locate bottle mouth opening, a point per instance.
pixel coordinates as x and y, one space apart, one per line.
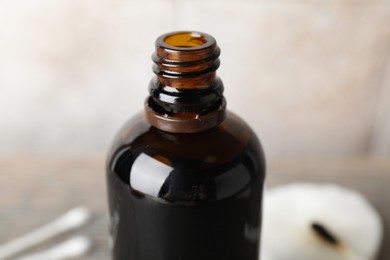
185 54
185 39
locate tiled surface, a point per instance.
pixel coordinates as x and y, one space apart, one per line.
308 76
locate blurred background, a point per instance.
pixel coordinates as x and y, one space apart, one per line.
311 77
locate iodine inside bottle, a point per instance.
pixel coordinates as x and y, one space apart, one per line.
185 176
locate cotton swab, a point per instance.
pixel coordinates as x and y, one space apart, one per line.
71 248
73 219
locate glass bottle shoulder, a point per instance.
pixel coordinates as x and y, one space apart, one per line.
209 165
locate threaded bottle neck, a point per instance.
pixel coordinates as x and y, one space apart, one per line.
185 95
186 55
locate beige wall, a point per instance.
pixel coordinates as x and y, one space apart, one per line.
311 77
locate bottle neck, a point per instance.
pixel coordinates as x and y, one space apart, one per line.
185 95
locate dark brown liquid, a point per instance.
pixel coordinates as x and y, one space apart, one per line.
184 196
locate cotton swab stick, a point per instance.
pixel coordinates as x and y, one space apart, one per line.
73 219
71 248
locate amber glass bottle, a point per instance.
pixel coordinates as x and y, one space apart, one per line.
185 177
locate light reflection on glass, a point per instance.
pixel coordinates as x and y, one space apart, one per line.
148 175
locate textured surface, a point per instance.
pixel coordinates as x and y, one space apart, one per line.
309 76
306 76
36 190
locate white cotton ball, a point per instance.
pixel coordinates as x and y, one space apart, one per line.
295 215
